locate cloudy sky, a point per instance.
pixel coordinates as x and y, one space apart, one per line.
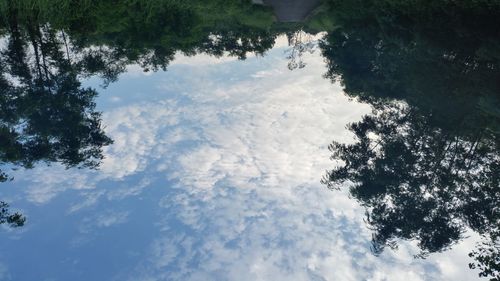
214 175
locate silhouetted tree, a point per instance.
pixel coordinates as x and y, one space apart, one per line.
45 113
487 257
425 163
12 219
418 181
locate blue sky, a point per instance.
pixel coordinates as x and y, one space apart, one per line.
214 175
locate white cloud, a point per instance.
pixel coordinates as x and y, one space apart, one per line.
112 218
201 60
106 219
45 185
91 199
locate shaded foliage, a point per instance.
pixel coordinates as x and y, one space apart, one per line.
150 33
12 219
426 162
45 115
444 58
487 258
418 181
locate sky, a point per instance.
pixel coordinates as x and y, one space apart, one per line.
214 174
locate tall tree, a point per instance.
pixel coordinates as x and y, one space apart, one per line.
425 164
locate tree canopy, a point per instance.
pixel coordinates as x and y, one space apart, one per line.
425 163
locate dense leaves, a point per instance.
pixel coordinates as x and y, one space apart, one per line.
12 219
418 181
426 162
45 113
150 33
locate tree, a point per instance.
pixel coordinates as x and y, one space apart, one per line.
12 219
425 163
418 181
45 113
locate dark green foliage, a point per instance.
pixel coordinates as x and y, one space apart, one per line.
426 162
151 32
418 181
12 219
487 258
45 113
437 56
